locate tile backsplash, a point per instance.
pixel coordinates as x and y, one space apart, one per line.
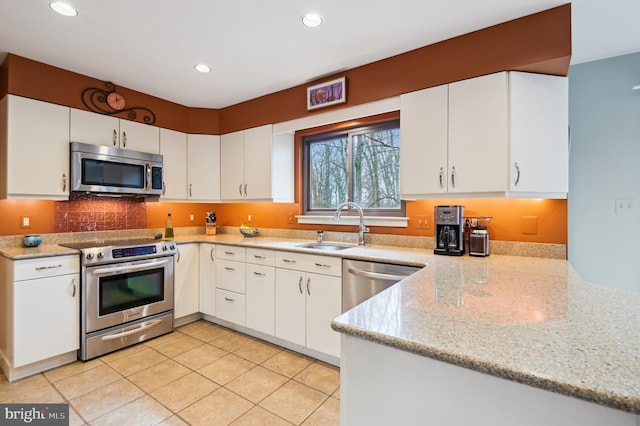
86 212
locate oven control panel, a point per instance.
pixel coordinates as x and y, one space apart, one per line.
113 254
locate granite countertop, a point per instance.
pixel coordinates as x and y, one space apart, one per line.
528 320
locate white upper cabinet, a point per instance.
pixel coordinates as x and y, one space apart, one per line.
35 145
99 129
255 165
499 135
203 167
173 147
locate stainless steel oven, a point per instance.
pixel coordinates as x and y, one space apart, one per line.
126 293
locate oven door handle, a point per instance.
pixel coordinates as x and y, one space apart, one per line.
137 330
112 269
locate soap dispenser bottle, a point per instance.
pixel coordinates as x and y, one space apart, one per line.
168 230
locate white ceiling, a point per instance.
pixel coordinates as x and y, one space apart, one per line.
257 47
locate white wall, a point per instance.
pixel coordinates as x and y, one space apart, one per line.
604 166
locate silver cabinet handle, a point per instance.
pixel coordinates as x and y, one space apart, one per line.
177 255
259 257
230 253
124 139
229 268
229 299
64 182
260 274
74 282
164 187
300 285
322 265
245 189
308 286
288 261
211 254
517 173
240 189
115 137
441 176
453 177
190 193
42 268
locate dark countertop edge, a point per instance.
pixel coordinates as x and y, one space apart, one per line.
589 394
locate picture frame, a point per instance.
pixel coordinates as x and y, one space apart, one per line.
328 93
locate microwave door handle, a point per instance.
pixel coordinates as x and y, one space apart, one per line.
148 176
112 269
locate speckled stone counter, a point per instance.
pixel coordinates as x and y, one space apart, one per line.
528 320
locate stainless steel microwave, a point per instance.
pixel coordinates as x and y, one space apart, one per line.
105 170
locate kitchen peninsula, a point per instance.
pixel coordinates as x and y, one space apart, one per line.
437 347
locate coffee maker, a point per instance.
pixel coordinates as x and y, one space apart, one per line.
449 237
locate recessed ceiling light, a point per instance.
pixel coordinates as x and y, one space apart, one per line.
204 68
63 8
312 20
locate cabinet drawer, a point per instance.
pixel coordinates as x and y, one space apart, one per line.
230 275
230 306
52 266
231 253
326 265
261 256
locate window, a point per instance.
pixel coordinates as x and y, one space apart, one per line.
359 164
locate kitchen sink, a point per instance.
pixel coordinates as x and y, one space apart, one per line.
325 246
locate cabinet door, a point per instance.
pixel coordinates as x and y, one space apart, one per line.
203 167
139 137
257 162
539 133
186 298
46 318
96 129
324 303
423 142
232 166
37 149
208 279
173 147
290 306
260 300
478 134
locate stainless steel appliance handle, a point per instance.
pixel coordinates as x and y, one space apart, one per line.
115 137
74 282
42 268
308 286
148 185
137 330
113 269
124 139
300 285
517 173
376 275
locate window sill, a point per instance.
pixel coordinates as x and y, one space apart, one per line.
389 221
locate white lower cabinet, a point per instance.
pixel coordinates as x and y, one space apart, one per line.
230 306
186 291
261 290
307 302
208 279
40 309
230 284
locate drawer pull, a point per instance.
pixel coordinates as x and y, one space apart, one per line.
288 261
322 265
229 268
42 268
260 274
230 253
259 257
228 299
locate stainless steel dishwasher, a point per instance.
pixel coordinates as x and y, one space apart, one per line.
362 280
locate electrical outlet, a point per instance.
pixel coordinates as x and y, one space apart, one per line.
25 222
191 218
626 206
292 217
423 222
249 218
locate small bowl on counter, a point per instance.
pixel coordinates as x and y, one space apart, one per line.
32 240
248 231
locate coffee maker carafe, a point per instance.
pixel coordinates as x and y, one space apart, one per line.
449 237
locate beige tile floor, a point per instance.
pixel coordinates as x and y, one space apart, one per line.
201 374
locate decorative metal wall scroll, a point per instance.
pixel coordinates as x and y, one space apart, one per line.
109 102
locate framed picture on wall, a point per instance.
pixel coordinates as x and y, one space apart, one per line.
327 93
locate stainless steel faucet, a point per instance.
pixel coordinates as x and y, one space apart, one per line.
362 229
320 236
